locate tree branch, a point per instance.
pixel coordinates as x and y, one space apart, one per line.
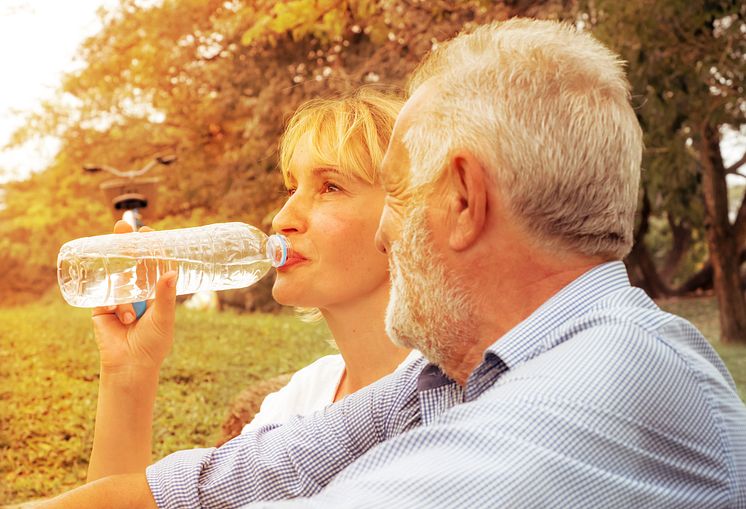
733 168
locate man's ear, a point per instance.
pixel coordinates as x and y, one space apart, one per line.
468 200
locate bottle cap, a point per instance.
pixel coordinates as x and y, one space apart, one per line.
278 248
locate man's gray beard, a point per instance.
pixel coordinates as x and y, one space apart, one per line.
426 310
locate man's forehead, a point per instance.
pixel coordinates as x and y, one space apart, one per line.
409 113
397 165
421 96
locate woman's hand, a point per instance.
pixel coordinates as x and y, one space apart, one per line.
126 343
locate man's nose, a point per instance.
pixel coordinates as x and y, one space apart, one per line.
381 237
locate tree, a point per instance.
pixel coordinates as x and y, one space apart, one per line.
687 68
213 82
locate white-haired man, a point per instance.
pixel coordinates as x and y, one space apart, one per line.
511 185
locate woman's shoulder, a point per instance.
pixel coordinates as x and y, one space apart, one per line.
323 368
309 389
318 375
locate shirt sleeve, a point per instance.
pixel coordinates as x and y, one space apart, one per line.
297 459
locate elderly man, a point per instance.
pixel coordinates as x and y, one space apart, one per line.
511 185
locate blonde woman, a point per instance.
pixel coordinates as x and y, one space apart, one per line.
329 158
330 155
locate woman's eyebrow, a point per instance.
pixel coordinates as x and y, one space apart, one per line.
325 171
317 172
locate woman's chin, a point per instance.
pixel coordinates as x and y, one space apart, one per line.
289 297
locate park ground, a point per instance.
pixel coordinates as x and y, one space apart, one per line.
49 377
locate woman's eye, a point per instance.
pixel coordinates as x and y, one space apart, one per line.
329 187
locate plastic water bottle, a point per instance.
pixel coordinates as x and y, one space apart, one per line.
121 268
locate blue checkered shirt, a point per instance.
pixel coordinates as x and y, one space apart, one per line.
598 399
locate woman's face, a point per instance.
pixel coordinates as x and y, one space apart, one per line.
331 221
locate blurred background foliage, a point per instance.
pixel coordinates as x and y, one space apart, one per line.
214 81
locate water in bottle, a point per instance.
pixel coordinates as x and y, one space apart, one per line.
121 268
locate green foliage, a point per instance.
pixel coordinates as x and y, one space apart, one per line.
736 195
324 19
49 373
686 66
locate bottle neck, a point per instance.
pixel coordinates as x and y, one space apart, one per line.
278 250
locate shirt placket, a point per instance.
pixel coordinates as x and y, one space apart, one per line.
435 402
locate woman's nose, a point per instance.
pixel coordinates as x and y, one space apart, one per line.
291 217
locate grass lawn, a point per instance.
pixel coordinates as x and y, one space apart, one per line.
49 377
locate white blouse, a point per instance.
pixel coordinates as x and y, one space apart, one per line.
310 389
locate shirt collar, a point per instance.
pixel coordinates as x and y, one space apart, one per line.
527 338
523 340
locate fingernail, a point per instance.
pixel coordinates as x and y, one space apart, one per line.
128 317
172 282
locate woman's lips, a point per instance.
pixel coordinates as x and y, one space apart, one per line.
291 261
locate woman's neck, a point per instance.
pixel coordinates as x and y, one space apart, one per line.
359 332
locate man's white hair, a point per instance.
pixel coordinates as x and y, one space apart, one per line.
546 108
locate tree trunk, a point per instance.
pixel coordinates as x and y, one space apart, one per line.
681 241
721 239
702 280
643 272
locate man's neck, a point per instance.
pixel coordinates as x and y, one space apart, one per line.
505 301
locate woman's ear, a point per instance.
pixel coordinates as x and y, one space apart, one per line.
468 200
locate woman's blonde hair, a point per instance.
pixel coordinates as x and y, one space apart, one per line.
349 133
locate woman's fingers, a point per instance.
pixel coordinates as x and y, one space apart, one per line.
122 227
104 310
165 302
125 313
